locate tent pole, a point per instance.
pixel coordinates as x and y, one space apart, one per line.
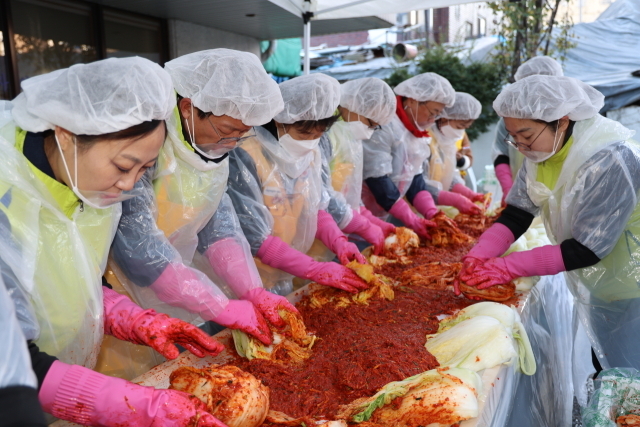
307 43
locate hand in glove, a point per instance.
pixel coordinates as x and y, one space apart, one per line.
329 234
503 173
268 304
459 202
468 193
244 316
403 212
373 234
386 227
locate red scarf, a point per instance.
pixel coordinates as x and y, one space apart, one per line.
407 121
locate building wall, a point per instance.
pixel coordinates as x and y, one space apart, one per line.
463 21
582 11
354 38
186 37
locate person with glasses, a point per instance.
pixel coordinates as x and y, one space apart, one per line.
446 132
507 159
581 174
276 186
179 248
365 105
395 155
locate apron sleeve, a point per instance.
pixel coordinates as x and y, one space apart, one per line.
518 195
377 153
500 146
337 206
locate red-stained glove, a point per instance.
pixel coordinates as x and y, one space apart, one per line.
459 202
386 227
268 304
373 234
127 321
244 316
80 395
503 173
333 238
277 254
403 212
468 193
542 261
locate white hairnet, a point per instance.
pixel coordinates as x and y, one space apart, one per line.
427 87
539 65
467 107
369 97
310 97
549 98
227 82
96 98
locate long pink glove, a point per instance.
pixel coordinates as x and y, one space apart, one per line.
459 202
542 261
423 202
386 227
373 234
129 322
492 243
277 254
503 173
77 394
329 234
403 212
468 193
181 286
268 304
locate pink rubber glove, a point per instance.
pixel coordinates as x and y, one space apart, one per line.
77 394
459 202
468 193
127 321
371 233
423 202
386 227
277 254
542 261
492 243
403 212
243 315
503 173
268 304
333 238
234 264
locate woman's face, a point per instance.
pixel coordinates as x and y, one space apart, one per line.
111 166
297 134
456 124
350 116
423 113
534 136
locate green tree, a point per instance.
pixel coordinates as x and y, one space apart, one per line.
482 80
528 27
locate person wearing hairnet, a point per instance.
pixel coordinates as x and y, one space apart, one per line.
365 105
394 156
73 145
581 174
186 224
19 405
276 186
507 159
446 132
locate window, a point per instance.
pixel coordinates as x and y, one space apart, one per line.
482 27
468 30
413 17
40 36
129 35
50 35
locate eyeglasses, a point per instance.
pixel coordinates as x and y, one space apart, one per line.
517 145
228 140
435 115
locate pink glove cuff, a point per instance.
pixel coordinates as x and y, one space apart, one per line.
233 265
493 242
277 254
464 190
386 227
71 391
448 198
503 173
423 202
543 261
357 225
328 231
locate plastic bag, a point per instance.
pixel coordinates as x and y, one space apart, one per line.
617 393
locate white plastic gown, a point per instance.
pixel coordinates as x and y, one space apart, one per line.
393 150
275 193
15 365
441 168
346 163
183 212
57 252
595 202
500 147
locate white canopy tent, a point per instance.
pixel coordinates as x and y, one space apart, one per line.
311 10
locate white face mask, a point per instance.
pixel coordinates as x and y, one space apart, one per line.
95 199
449 132
210 151
541 156
359 130
297 148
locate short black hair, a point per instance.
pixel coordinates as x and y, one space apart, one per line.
311 125
201 114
